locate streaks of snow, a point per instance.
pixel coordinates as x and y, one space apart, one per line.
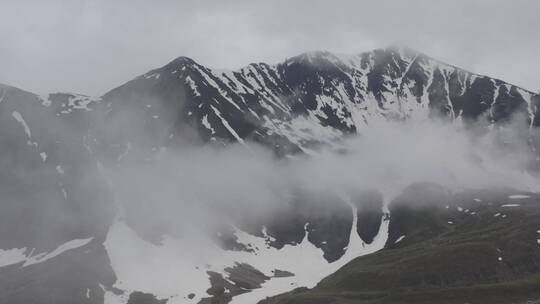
88 293
495 97
45 101
42 257
43 156
259 82
251 80
399 239
64 193
235 84
477 200
268 73
530 107
472 78
80 102
227 125
214 84
510 205
21 120
409 65
206 123
254 113
86 145
227 77
429 70
153 75
518 196
447 92
193 86
126 151
59 169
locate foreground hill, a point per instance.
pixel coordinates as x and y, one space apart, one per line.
475 246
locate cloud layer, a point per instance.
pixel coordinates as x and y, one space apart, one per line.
198 187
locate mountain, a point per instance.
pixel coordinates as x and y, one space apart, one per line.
318 97
65 238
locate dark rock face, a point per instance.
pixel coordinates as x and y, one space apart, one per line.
143 298
369 211
282 273
241 278
324 219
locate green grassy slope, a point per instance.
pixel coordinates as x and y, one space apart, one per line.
462 247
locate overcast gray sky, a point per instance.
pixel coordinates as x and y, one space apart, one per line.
92 46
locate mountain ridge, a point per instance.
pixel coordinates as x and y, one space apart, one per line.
319 89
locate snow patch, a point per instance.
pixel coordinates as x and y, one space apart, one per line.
18 255
154 75
510 205
42 257
137 263
207 124
12 256
60 170
21 120
518 196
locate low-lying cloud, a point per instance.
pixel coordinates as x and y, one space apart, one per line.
203 186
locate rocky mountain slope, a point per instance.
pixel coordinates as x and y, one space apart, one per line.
317 97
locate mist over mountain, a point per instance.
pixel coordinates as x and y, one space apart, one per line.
337 173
